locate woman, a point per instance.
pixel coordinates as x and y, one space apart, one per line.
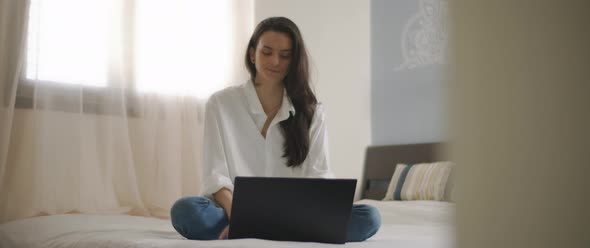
270 126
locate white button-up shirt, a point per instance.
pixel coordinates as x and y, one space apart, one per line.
233 145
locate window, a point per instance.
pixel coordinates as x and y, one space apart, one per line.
171 47
67 42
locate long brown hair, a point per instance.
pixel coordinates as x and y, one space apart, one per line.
296 82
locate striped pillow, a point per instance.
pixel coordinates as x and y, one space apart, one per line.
426 181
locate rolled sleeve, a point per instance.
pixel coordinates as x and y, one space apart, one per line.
215 169
216 182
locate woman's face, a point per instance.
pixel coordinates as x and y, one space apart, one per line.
272 56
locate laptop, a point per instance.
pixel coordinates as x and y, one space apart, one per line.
291 209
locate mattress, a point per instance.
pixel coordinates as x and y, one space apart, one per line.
415 224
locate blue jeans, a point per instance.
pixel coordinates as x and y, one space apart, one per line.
202 219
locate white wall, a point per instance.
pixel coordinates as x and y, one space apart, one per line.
337 34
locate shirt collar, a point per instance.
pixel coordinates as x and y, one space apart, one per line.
255 107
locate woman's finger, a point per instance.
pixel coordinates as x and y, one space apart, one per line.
224 233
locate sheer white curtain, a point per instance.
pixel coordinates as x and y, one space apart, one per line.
102 100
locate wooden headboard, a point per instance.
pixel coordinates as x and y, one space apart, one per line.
380 162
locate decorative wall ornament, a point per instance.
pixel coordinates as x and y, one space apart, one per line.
425 35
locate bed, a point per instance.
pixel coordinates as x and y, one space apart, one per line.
404 223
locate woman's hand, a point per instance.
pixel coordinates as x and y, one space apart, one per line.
224 198
225 233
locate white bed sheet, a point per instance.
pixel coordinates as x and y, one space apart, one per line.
417 224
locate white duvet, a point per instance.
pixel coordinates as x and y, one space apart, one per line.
414 224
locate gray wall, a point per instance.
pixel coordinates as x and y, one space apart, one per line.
408 106
521 85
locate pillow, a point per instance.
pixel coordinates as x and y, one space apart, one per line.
425 181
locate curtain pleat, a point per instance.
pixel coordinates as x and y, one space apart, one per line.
115 149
